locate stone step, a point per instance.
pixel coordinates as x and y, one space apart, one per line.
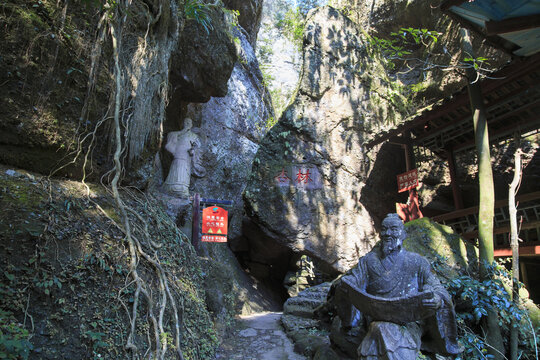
307 301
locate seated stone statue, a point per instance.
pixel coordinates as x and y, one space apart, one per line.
400 301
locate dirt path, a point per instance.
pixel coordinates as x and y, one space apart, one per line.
258 337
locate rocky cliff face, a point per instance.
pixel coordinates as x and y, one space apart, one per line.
249 18
382 17
44 100
233 127
304 195
203 61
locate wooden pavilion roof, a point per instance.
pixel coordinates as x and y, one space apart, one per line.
512 100
511 25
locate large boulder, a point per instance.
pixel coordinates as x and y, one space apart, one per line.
202 64
304 194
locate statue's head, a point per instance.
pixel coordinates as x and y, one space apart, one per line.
188 123
392 233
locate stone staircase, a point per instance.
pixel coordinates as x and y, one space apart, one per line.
309 335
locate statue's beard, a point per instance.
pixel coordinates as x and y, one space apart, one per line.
390 245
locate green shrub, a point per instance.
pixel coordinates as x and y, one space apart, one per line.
14 343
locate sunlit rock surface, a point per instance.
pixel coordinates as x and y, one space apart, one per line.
232 127
249 17
304 194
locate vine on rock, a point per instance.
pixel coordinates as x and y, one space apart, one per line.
156 310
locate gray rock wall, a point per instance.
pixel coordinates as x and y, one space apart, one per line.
319 212
249 18
233 127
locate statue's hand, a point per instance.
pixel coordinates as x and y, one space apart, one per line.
432 303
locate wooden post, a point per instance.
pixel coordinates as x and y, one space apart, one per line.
486 194
485 173
515 250
456 191
195 241
410 162
525 279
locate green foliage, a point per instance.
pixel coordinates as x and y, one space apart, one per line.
305 5
474 299
265 51
14 343
96 338
199 11
291 25
400 43
476 62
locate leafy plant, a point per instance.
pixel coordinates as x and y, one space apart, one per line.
291 25
199 11
14 343
400 43
474 299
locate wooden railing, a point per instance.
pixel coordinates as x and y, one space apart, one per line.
465 221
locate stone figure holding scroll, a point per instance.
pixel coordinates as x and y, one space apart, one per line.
400 301
185 146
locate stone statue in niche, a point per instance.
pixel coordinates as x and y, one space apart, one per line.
396 301
185 146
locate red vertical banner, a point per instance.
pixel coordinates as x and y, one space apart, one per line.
214 224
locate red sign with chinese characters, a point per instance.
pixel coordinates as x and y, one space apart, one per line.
214 224
213 238
408 180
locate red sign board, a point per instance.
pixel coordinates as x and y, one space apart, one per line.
408 180
214 224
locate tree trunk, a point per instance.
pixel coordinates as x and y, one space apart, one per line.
487 194
515 251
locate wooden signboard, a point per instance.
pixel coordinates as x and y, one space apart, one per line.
214 224
408 180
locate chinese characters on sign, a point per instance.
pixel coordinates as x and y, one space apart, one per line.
302 176
282 179
408 180
211 238
214 224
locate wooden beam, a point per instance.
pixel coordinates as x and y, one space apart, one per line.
508 74
501 131
526 86
449 3
513 24
456 191
196 218
501 230
523 251
472 210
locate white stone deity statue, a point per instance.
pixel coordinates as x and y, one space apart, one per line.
185 146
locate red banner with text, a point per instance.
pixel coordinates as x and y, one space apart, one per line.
214 224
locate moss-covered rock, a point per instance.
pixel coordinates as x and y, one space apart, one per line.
65 272
441 245
44 72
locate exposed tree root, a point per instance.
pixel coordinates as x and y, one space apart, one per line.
138 78
137 253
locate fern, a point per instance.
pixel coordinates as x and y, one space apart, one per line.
199 11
